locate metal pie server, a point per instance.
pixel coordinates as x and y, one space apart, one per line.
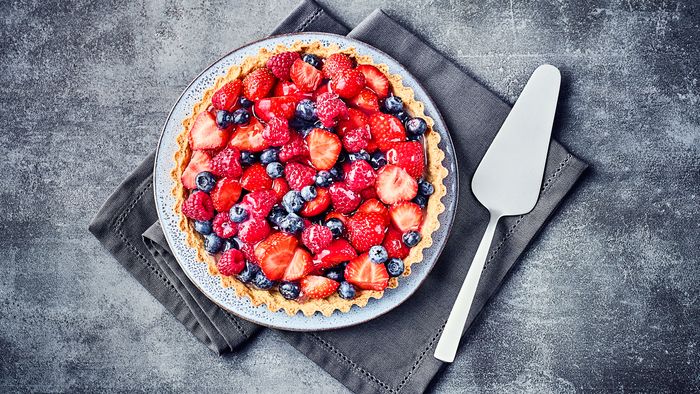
507 182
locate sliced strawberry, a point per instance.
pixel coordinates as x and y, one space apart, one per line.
287 88
262 246
255 178
406 216
200 161
280 187
299 266
394 184
305 76
204 133
409 156
275 107
393 243
225 193
373 206
294 150
366 101
249 137
356 119
259 203
344 199
375 79
299 175
318 287
226 97
366 230
318 205
338 251
258 84
386 130
278 254
348 83
324 148
366 275
335 64
361 175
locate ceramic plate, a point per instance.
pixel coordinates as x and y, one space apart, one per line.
210 285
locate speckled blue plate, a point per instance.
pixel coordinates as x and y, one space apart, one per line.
210 285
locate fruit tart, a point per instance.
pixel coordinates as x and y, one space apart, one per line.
309 179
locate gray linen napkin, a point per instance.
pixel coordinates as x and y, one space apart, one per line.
394 352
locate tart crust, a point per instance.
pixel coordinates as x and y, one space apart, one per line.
274 301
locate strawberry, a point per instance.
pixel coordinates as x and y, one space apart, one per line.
318 286
393 243
279 251
287 88
344 200
368 193
348 83
336 63
231 262
366 230
337 215
305 76
280 187
276 132
299 266
255 178
281 63
323 88
329 109
299 175
227 163
324 148
373 206
336 252
409 156
318 205
259 203
258 84
225 193
316 237
360 176
275 107
249 137
295 149
357 139
200 161
261 247
204 133
253 230
406 216
355 120
198 206
386 129
366 101
226 97
366 275
223 226
394 184
375 79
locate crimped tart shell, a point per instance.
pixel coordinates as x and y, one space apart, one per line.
274 301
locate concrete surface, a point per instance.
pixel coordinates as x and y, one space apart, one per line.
606 300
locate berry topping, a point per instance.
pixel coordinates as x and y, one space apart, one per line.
393 243
346 291
289 290
360 176
336 273
318 286
299 266
255 178
292 223
375 79
227 163
249 137
373 205
299 175
276 132
324 148
227 96
316 237
336 63
203 227
258 84
354 120
348 83
344 200
308 193
252 230
330 108
392 105
409 156
318 204
294 149
205 134
361 155
199 162
425 188
198 206
416 126
280 187
377 160
280 64
336 226
378 254
248 158
259 203
241 116
248 273
394 184
277 252
275 107
394 267
269 155
421 200
312 60
306 110
366 230
323 179
366 275
212 243
231 262
336 252
305 76
411 238
229 244
406 216
277 214
244 102
262 282
357 139
386 130
225 194
366 101
238 213
292 201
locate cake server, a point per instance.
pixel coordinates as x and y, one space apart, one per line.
507 182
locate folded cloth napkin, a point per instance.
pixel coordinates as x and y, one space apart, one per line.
364 358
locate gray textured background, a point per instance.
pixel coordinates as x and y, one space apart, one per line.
606 299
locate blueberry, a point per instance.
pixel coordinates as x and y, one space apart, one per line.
378 254
249 272
336 226
292 223
336 173
342 157
223 119
361 155
394 267
425 188
205 181
244 102
411 238
277 214
238 214
306 110
302 126
275 170
261 281
403 116
346 291
293 202
336 273
392 104
323 178
308 193
269 155
203 228
247 158
289 290
230 244
416 126
212 243
312 60
421 200
240 116
378 160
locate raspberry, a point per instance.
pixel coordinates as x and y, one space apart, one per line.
360 176
198 206
281 63
231 262
223 226
249 252
336 63
344 199
316 237
294 149
329 108
253 230
227 163
299 175
357 139
276 132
